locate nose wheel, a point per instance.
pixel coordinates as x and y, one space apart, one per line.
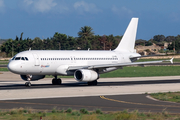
28 84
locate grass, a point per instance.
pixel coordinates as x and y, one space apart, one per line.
4 62
144 71
29 114
135 72
3 69
169 96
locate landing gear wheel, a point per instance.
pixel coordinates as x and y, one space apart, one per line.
92 83
59 81
28 84
56 81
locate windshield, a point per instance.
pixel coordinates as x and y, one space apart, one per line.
20 58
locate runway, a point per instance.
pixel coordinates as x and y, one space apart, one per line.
111 94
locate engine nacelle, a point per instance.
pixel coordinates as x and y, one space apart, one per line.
33 77
85 75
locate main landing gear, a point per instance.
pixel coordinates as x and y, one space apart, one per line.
56 81
28 84
92 83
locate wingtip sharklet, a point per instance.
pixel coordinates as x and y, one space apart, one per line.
171 60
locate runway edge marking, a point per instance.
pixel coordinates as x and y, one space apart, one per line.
105 98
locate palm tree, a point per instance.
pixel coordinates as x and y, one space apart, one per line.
85 32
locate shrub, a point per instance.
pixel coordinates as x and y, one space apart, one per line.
98 111
75 113
69 110
84 111
54 110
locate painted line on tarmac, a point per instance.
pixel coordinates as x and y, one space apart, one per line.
102 97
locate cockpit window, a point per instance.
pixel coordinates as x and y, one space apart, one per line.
26 58
22 58
17 58
13 58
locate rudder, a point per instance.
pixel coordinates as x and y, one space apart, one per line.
128 41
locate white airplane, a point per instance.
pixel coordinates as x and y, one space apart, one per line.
85 65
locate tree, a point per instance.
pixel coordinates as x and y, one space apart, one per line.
159 38
85 33
21 36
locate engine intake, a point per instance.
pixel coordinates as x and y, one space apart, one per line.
33 78
85 75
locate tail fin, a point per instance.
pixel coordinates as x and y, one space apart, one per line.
128 41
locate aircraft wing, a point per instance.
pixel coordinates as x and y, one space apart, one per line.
116 65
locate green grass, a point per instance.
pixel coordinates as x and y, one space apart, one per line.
169 96
3 69
29 114
144 71
4 62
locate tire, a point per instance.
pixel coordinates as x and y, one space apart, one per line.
92 83
25 83
28 84
54 81
59 81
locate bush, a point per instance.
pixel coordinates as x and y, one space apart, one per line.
98 111
54 110
12 112
176 97
25 111
84 111
69 110
75 113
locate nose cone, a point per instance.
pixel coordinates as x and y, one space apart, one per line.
12 67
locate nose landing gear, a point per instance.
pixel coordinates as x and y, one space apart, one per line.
28 84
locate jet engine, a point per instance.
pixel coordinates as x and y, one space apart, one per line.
33 78
85 75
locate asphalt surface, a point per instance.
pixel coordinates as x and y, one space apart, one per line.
84 84
138 102
111 94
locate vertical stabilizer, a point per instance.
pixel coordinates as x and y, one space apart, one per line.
128 41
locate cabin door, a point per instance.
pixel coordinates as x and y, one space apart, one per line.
36 60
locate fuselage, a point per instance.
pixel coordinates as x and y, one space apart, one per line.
56 62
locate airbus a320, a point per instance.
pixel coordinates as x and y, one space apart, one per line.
84 65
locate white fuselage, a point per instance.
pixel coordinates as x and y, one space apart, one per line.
56 62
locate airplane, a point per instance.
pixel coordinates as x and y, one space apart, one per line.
85 65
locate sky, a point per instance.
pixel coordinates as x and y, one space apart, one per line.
42 18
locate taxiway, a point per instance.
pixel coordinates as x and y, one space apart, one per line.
111 94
